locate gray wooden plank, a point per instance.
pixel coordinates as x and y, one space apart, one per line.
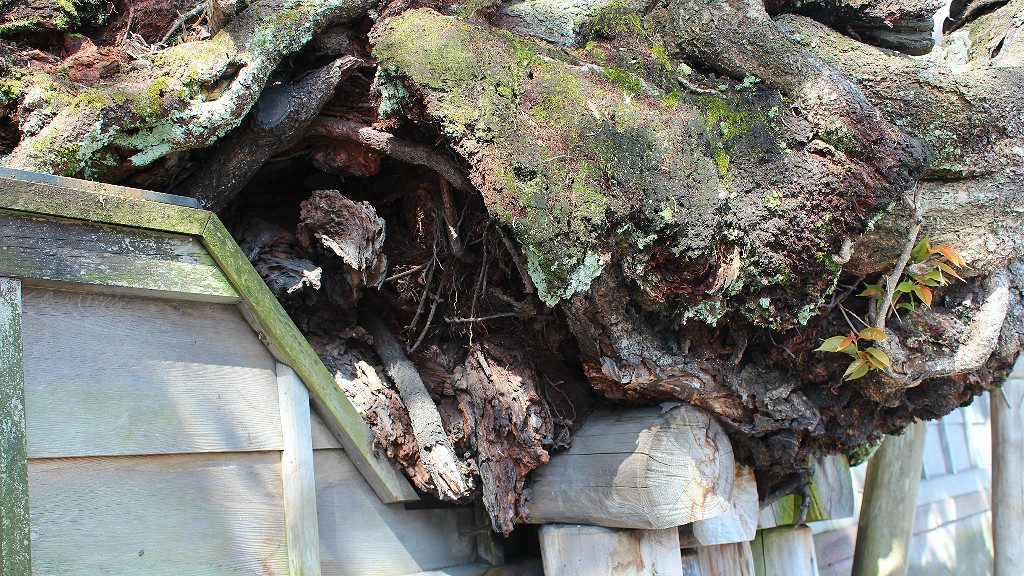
140 260
529 567
934 464
731 559
192 514
785 551
361 536
644 468
579 550
15 552
108 375
739 524
297 473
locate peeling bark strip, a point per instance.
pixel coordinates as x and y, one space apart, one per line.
646 468
446 470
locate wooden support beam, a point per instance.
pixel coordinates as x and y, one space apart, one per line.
574 550
831 493
1008 474
15 556
785 551
734 559
739 523
645 468
297 473
886 520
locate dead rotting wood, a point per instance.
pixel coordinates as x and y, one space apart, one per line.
376 400
406 151
279 119
499 400
350 233
448 473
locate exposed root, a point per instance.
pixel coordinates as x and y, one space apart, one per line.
397 148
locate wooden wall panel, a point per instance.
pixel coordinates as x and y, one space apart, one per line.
111 257
360 536
322 436
580 550
158 515
109 375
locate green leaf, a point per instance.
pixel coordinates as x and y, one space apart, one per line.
906 306
872 291
936 275
831 344
905 286
872 333
878 358
922 251
856 369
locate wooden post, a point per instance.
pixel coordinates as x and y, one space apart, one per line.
644 469
1008 474
303 538
734 559
886 524
575 550
15 556
785 551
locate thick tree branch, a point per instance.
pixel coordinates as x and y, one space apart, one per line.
280 118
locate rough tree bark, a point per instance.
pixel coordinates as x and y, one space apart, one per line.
561 205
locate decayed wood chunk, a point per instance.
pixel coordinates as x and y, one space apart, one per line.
511 426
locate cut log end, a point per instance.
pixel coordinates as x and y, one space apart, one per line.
644 469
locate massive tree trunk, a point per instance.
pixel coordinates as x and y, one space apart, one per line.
540 208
